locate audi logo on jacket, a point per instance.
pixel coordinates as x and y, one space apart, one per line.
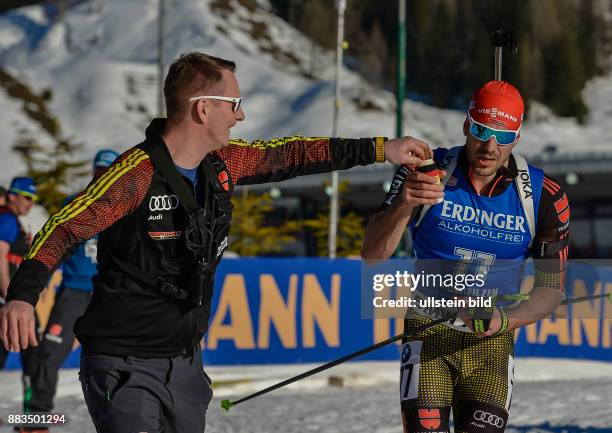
140 221
163 202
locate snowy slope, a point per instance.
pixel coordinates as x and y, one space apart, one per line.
550 396
100 62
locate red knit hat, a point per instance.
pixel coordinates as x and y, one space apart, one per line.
498 103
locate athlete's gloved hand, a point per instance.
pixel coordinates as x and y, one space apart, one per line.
17 326
495 323
406 150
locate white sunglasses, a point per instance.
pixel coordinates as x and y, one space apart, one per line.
235 101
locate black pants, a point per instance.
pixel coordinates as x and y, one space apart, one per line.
29 360
153 395
56 345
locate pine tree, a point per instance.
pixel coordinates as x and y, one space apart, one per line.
567 79
441 57
529 70
373 55
449 52
587 34
473 67
54 169
349 238
418 27
250 236
318 22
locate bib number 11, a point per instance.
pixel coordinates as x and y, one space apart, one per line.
473 262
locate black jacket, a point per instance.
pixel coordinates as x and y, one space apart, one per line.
141 222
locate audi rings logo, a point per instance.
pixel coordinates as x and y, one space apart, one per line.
163 202
489 418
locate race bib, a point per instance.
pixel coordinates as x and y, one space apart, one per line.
409 370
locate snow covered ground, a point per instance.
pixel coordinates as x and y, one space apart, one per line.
550 396
100 62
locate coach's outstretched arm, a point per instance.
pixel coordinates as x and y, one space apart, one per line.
278 159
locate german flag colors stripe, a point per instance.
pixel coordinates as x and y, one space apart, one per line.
82 202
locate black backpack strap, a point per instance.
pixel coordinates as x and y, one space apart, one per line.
525 194
161 160
161 286
198 236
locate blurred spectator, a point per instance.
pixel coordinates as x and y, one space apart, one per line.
14 243
2 196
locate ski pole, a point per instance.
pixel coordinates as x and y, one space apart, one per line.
587 298
500 39
227 404
525 297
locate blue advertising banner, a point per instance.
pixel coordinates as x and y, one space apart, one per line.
581 330
271 311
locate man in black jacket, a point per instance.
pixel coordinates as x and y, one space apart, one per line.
141 367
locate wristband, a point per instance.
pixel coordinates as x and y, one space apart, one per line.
504 323
481 318
379 143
